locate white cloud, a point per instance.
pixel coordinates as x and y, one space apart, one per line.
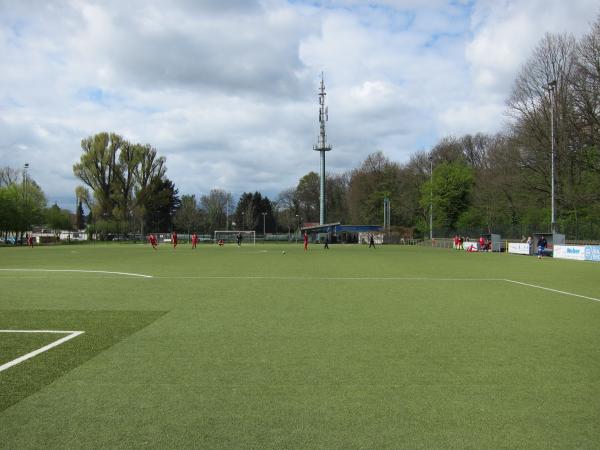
227 90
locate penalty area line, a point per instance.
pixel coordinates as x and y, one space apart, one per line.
128 274
553 290
14 362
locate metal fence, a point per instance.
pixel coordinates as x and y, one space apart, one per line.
580 231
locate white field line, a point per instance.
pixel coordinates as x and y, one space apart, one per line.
78 271
44 277
14 362
298 278
553 290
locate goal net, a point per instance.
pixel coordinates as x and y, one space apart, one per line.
248 237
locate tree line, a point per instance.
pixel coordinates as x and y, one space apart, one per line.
23 203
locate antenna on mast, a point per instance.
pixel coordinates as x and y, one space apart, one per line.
322 147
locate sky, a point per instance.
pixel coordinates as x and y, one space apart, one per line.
226 90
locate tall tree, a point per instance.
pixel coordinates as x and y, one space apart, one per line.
214 206
245 212
150 167
249 212
586 94
307 194
287 210
97 168
58 219
80 217
130 157
162 204
532 108
8 176
188 216
376 179
337 195
451 190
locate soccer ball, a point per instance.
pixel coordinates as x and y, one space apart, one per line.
283 252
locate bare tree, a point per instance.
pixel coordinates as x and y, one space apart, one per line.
8 175
214 206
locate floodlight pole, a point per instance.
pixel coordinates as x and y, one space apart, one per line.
551 89
25 168
386 215
243 220
264 219
297 227
431 200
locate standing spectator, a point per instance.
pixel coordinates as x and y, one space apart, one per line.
371 241
326 246
239 239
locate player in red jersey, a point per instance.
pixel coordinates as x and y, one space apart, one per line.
174 239
153 242
305 241
194 240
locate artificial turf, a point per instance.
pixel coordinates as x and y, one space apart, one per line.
102 330
348 348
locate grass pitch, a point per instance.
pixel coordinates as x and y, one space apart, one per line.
252 348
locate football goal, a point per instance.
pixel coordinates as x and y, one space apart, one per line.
231 236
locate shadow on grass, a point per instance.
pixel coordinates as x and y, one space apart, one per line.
102 330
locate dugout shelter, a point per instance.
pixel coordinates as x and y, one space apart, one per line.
340 233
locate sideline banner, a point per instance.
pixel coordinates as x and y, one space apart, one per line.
519 248
576 252
592 253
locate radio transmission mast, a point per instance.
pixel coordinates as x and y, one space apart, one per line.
322 147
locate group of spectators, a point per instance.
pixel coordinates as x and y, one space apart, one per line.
542 243
484 245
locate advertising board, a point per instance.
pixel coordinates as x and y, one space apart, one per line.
520 248
592 253
576 252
